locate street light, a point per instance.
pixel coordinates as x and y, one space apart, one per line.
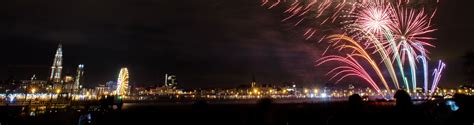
315 91
255 91
33 90
58 91
306 91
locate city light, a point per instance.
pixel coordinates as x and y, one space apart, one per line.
324 95
255 90
33 90
376 42
315 91
315 62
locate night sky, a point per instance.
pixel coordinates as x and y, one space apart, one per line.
206 43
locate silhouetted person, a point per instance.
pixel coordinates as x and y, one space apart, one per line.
118 102
355 102
104 103
110 101
463 115
85 119
405 112
354 113
403 100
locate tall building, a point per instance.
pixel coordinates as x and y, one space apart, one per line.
122 82
253 83
170 81
79 77
57 67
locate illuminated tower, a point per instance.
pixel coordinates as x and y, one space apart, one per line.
170 81
122 82
79 77
57 67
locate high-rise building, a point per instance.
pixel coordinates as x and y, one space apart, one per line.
57 67
253 83
79 77
170 81
122 82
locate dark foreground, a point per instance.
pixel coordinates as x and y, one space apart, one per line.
263 113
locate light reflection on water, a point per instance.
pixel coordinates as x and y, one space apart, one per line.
130 105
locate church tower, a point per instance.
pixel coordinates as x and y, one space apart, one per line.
57 67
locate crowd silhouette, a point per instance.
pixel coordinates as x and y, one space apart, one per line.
356 112
406 113
267 111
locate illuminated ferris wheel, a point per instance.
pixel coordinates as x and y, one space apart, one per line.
122 82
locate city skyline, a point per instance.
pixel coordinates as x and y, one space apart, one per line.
197 60
236 62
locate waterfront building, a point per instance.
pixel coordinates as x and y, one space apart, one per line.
170 81
79 77
56 69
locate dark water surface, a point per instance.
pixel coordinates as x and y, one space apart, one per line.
249 112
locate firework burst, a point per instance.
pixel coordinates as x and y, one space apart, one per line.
410 28
353 68
343 42
388 28
374 17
